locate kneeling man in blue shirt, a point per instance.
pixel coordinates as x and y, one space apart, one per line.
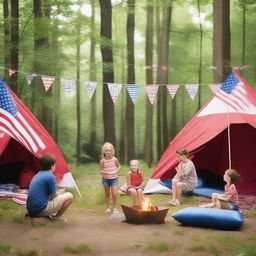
43 198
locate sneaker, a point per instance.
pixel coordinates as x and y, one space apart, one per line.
59 219
115 211
175 202
107 210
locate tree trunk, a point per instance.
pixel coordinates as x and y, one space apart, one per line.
6 37
162 78
200 54
93 77
122 142
221 39
148 152
78 96
14 55
108 71
130 80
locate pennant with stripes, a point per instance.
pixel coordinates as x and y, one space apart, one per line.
133 90
90 86
68 85
151 90
172 88
30 77
214 87
192 90
114 90
11 72
47 81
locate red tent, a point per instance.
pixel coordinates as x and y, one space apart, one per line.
24 139
206 136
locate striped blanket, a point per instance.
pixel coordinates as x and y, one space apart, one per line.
18 196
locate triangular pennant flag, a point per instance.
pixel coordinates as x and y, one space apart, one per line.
172 88
192 90
30 77
11 72
47 81
67 85
90 86
133 90
114 90
151 90
214 87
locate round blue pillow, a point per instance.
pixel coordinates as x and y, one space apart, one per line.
210 218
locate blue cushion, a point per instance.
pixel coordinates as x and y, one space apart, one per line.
200 183
207 192
166 182
210 218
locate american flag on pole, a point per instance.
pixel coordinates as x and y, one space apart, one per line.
13 121
233 93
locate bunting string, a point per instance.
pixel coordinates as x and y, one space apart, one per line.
115 88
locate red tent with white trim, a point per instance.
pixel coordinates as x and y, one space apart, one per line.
24 139
206 136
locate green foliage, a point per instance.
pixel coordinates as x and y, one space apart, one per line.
161 246
79 249
5 248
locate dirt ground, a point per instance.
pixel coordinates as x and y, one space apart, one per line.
108 236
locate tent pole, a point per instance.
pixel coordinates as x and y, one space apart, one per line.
229 144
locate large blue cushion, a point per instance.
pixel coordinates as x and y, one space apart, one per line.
210 218
168 183
207 192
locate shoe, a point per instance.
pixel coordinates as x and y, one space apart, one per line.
107 210
59 219
115 211
175 202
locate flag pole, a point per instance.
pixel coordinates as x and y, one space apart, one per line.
229 141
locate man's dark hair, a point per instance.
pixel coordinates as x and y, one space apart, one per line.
47 161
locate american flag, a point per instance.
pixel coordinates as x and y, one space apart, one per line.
13 122
233 93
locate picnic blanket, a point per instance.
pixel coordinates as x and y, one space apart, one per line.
246 201
17 195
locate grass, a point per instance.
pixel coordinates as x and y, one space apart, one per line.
11 211
197 248
178 231
5 248
79 249
161 246
32 252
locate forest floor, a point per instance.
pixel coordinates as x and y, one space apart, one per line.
89 231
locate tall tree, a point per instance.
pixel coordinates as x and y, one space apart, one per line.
162 75
221 39
14 55
6 36
122 141
78 93
47 110
200 53
130 25
93 77
148 142
108 71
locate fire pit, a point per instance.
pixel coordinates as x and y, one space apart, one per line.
138 215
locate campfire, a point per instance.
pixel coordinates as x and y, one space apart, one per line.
147 213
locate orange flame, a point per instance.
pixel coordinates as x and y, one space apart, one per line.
147 205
